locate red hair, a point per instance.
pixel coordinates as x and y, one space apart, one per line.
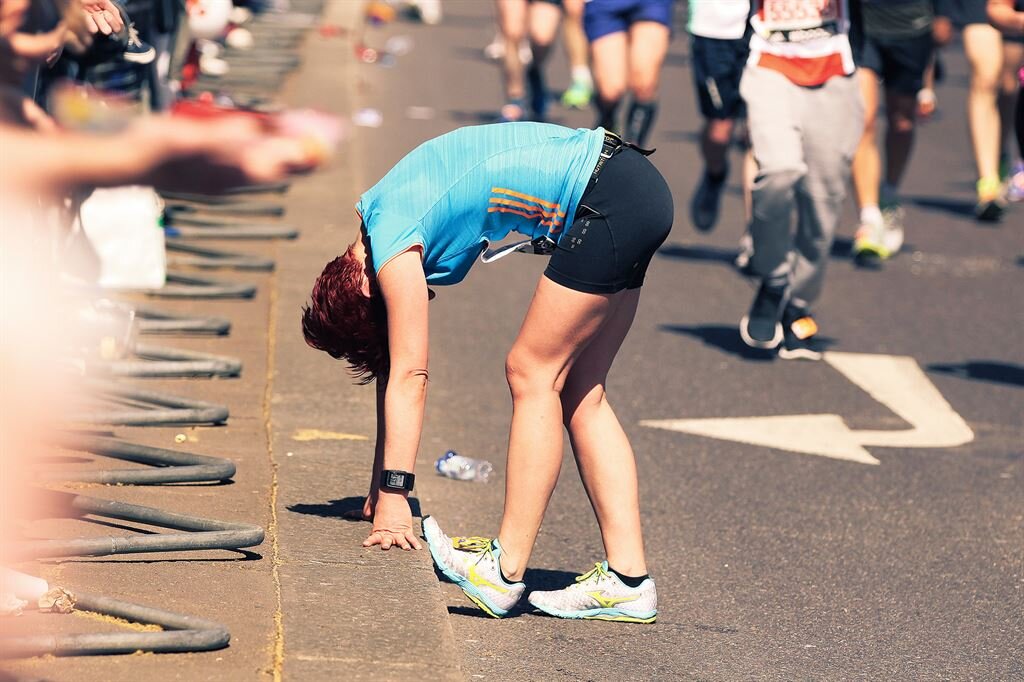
344 322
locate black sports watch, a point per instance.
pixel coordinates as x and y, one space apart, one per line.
392 479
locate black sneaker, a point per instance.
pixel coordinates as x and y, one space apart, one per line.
137 51
762 326
706 201
798 330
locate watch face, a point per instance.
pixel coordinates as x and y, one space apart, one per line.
396 479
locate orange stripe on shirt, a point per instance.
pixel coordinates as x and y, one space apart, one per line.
509 202
501 209
527 197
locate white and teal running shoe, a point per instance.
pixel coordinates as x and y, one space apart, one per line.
472 564
600 595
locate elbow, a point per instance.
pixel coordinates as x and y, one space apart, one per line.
410 378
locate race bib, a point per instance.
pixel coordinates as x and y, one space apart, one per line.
788 15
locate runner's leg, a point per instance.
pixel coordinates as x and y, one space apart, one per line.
609 58
602 450
982 44
867 162
559 324
648 45
512 24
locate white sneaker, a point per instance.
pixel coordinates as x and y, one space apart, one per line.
600 595
892 237
472 564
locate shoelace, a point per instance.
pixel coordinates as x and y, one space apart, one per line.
476 545
597 570
133 36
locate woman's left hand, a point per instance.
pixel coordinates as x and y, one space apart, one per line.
392 523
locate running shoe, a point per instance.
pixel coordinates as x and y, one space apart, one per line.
707 201
762 326
137 51
472 564
991 206
892 236
869 249
578 95
600 595
798 331
1015 183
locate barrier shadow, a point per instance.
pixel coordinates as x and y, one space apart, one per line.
346 508
991 371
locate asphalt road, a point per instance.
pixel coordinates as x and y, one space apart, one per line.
905 560
770 563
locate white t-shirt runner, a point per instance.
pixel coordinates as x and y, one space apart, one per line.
721 19
806 40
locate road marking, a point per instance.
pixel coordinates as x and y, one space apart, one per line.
895 381
317 434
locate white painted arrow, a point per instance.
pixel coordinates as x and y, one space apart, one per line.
895 381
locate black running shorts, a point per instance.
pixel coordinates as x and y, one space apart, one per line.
899 63
620 222
717 69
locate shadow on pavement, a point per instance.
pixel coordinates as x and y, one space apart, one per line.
712 254
960 207
723 337
984 370
473 117
347 508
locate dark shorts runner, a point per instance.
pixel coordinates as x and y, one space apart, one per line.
621 221
717 69
900 63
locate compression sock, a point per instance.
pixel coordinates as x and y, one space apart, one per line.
629 580
607 112
640 121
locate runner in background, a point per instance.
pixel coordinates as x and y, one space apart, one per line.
517 20
805 116
989 102
719 47
892 44
1008 17
628 43
579 92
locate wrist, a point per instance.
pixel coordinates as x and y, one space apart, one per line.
396 480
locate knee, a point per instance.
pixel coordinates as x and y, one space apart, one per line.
720 131
524 377
643 86
901 124
774 181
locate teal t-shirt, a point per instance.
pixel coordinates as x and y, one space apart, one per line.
456 193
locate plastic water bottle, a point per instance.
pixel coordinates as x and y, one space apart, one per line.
454 465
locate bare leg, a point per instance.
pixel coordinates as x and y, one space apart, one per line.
558 326
648 45
867 162
574 37
601 447
714 144
983 46
609 57
512 24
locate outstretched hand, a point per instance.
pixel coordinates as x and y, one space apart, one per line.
392 524
102 16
